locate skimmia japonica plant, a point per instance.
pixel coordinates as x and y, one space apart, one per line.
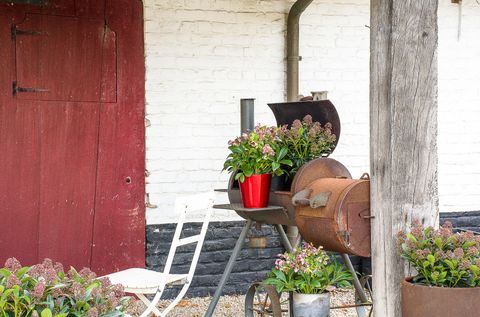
257 152
306 140
440 256
45 290
307 270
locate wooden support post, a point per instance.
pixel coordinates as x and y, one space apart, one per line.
403 132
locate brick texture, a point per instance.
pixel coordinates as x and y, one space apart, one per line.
202 56
253 264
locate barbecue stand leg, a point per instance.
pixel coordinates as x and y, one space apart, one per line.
228 268
284 238
361 312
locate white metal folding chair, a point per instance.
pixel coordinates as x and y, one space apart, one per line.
142 282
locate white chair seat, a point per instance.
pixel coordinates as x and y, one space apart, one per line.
138 280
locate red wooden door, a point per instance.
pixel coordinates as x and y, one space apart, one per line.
72 133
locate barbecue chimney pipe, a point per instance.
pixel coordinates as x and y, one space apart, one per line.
293 57
247 115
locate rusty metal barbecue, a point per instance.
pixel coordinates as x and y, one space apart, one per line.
328 206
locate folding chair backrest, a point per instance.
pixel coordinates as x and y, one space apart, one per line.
185 206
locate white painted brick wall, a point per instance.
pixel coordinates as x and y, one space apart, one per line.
202 56
459 107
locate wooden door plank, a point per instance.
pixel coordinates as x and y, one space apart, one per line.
19 180
53 7
64 58
119 233
90 8
69 133
403 132
109 66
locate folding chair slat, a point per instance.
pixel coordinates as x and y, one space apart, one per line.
192 239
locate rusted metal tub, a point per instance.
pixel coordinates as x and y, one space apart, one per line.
335 213
428 301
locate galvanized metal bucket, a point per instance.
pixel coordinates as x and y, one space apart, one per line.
311 305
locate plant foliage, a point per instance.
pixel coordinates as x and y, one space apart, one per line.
306 140
307 270
441 257
45 290
257 152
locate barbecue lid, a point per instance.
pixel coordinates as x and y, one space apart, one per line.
322 111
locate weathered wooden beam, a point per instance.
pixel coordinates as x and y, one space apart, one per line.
403 133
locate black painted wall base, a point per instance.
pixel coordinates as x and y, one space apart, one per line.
253 264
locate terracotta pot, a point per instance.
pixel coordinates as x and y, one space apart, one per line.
255 191
428 301
311 305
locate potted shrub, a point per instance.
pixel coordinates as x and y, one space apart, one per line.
448 272
254 157
306 140
46 290
310 274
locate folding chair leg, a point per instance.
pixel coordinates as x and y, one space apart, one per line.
177 299
147 302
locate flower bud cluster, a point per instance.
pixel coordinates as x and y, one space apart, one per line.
441 256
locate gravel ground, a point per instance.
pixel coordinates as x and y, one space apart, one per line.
233 306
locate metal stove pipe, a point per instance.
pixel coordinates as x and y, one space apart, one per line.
247 115
293 56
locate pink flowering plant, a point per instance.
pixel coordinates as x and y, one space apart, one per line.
306 140
441 257
46 290
307 270
257 152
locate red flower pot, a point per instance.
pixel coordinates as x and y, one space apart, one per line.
255 191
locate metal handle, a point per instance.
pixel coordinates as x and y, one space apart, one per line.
14 32
16 89
302 198
365 176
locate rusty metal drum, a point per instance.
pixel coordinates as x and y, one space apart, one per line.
335 213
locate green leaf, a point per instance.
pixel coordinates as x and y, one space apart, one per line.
236 150
5 272
286 162
275 166
411 237
248 172
281 154
46 313
431 259
22 271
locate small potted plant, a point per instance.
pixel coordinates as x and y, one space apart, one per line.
254 157
310 274
46 290
306 140
447 268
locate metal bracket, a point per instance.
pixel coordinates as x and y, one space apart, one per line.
16 32
345 235
16 89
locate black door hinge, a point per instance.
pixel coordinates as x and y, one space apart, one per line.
16 89
16 32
